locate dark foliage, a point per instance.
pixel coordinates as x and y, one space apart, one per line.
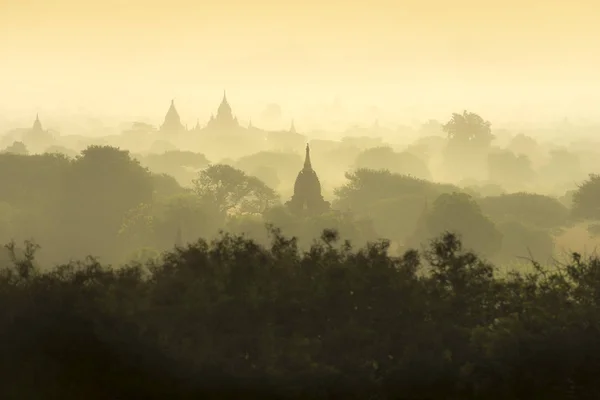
232 319
532 209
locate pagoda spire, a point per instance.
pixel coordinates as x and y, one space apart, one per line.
307 198
293 127
307 164
172 122
37 125
172 108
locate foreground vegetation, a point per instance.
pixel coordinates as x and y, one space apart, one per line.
234 319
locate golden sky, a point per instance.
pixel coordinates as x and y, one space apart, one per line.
140 53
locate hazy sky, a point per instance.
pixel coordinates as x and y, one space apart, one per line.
132 57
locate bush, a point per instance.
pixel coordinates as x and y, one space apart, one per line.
218 319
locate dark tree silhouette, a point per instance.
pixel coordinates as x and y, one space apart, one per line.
232 189
468 129
231 319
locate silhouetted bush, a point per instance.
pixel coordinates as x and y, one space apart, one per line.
233 319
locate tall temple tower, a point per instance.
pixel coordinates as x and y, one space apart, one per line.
37 137
224 121
37 125
307 198
172 123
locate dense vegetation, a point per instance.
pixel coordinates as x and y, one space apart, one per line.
232 318
250 312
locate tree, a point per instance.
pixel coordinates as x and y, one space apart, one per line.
387 159
562 168
267 174
137 228
396 218
522 241
308 228
531 209
103 184
509 169
17 148
523 144
205 319
139 127
55 149
469 138
468 130
187 217
165 222
460 214
367 186
586 200
232 190
165 185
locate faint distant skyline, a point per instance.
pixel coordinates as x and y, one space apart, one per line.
506 60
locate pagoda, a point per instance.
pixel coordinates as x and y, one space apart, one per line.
307 198
37 125
172 123
225 120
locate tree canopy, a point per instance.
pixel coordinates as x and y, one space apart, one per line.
585 199
232 318
459 213
469 129
232 189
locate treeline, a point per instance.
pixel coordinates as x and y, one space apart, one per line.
136 213
234 319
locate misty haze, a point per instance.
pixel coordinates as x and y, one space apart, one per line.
326 200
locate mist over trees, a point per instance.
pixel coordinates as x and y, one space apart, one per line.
224 259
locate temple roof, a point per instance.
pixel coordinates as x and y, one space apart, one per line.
307 163
172 114
307 190
172 120
37 125
224 108
307 182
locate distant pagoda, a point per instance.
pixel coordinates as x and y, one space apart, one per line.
225 120
37 125
172 123
307 198
37 137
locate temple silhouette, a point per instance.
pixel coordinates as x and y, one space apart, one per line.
224 121
36 138
172 123
37 125
307 198
225 127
